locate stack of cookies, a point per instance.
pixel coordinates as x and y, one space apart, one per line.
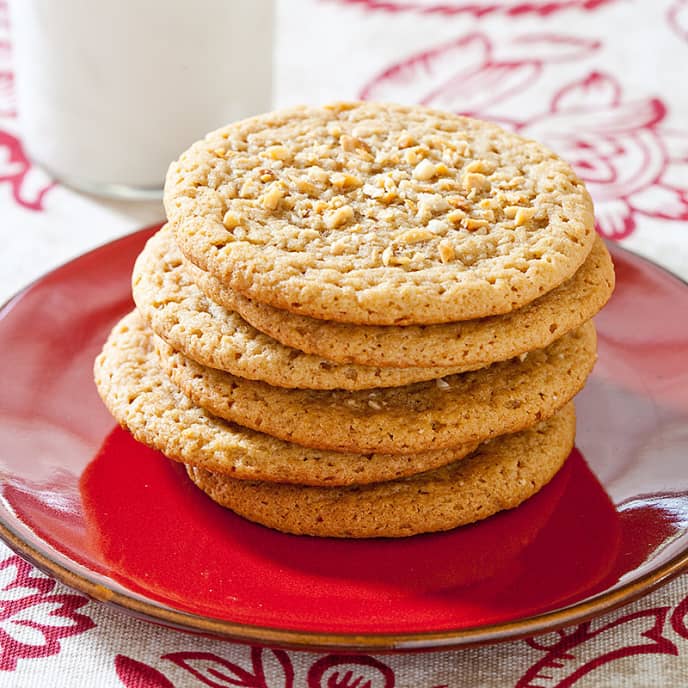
362 320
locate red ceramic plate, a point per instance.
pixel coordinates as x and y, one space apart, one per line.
121 523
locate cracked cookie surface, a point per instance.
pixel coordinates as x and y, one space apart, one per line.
379 214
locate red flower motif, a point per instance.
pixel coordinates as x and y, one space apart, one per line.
575 652
628 163
477 8
32 619
632 164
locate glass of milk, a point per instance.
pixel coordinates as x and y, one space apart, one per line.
109 93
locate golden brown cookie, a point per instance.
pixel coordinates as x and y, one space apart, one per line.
380 214
142 399
469 407
469 344
500 475
180 313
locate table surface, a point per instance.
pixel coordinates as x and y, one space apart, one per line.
601 81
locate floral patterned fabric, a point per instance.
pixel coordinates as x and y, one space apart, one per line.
600 81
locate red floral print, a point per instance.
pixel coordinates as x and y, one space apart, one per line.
633 165
33 620
477 8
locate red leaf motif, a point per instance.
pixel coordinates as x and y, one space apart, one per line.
546 48
470 74
32 619
350 671
135 674
477 8
576 652
218 672
429 70
212 670
594 91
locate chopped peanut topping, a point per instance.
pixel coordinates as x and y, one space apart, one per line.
304 186
447 253
456 216
413 236
278 153
424 170
340 216
405 140
231 220
318 174
350 144
345 181
524 215
247 189
272 197
474 180
481 166
413 156
472 224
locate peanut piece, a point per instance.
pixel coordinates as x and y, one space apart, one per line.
474 180
524 215
447 253
340 216
424 170
345 181
272 197
231 220
405 140
413 236
278 153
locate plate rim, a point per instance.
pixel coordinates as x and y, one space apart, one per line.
450 639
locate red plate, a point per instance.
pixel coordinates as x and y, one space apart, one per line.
121 523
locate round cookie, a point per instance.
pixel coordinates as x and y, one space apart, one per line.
470 407
469 344
177 310
379 214
143 400
500 475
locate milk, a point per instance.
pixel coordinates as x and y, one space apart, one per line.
110 92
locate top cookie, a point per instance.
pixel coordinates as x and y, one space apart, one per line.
379 214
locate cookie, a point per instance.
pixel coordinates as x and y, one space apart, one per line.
143 400
379 214
470 407
177 310
500 475
469 345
